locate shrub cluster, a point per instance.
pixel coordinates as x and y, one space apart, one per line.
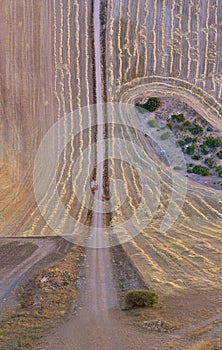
141 298
150 105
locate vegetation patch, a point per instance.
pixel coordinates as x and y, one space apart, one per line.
199 141
150 105
44 300
200 170
140 298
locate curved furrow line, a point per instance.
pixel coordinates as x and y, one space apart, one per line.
152 268
127 43
172 37
199 100
64 116
39 217
120 51
197 232
198 40
206 32
144 39
163 41
209 208
169 251
110 78
218 77
169 259
136 51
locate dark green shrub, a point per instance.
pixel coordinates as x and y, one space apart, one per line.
178 117
141 298
150 105
187 124
170 126
196 157
188 139
190 150
204 150
196 129
200 170
211 142
219 154
180 143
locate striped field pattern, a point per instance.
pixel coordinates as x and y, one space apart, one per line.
156 47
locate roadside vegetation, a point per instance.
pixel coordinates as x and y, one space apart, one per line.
140 298
44 300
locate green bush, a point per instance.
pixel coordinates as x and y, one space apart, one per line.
188 139
200 170
180 143
170 126
150 105
190 150
141 298
196 157
211 142
196 129
210 162
178 117
204 150
187 124
219 154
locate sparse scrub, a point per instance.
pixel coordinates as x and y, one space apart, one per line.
210 162
178 117
165 136
206 345
196 129
140 298
153 123
44 300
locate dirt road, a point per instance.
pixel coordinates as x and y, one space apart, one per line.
94 327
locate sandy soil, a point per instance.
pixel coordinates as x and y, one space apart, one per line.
21 258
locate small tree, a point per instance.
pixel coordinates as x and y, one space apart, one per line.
200 170
178 117
190 150
150 105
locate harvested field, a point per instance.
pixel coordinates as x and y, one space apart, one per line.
164 48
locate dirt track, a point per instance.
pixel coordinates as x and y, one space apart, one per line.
21 258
